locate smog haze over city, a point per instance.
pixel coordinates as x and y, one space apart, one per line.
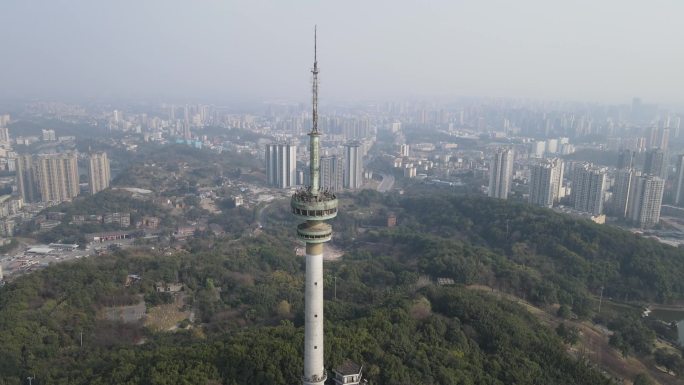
605 51
217 192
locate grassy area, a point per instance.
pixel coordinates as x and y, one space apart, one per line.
166 317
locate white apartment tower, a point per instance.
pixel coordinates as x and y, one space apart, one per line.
647 197
353 165
4 136
501 173
5 120
332 173
49 135
546 178
98 172
57 176
588 187
281 164
624 181
27 180
404 150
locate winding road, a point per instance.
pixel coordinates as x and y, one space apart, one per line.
387 183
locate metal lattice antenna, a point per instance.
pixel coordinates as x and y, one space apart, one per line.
314 164
314 71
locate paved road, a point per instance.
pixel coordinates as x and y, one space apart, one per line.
387 183
260 214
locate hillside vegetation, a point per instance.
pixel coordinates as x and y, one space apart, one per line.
247 297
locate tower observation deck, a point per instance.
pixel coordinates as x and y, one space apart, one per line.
314 206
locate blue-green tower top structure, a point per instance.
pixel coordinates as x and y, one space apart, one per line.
311 203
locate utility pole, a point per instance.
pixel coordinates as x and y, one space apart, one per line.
600 300
335 289
81 338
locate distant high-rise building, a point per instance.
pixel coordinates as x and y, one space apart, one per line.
27 180
624 179
4 136
332 173
646 198
353 165
538 149
656 163
657 137
356 129
501 173
281 164
679 182
552 146
98 172
651 135
49 136
187 134
588 184
57 176
4 120
404 150
545 182
172 112
625 159
664 138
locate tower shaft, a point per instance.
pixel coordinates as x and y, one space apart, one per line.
314 371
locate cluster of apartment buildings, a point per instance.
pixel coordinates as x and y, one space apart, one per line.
338 171
55 178
635 195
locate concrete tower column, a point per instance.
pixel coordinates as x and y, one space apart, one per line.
315 207
314 371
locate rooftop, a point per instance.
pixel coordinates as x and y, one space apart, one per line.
348 368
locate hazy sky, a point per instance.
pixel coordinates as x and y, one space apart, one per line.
587 50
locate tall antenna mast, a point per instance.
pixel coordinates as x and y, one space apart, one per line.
314 71
314 161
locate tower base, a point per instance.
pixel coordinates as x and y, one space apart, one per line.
318 381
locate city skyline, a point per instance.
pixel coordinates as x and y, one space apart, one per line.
230 51
169 185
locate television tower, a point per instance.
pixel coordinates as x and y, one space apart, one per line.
315 206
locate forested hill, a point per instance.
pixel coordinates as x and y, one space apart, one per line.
238 317
556 254
403 336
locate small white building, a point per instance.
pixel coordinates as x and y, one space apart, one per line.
349 373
